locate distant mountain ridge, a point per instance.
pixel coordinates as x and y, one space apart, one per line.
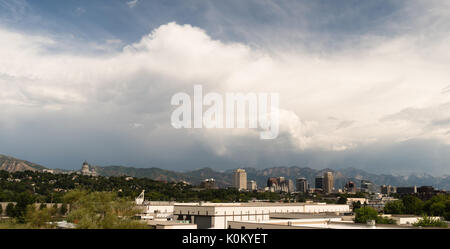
224 179
152 173
12 164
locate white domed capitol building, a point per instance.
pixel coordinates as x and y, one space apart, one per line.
87 171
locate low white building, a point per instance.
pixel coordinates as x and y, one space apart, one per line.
156 210
361 200
308 221
405 219
170 225
217 215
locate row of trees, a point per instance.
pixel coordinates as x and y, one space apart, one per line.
87 209
50 188
365 214
438 205
25 201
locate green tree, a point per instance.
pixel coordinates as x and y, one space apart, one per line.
301 198
384 220
72 197
447 210
63 210
356 205
1 210
42 206
102 210
438 205
10 210
342 200
38 218
437 209
364 214
23 200
412 205
394 207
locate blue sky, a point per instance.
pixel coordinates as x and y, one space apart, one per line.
362 84
243 21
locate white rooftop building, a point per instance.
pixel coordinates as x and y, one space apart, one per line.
217 215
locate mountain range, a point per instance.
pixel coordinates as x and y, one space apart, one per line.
224 178
12 164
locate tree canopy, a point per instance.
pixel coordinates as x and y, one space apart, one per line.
101 210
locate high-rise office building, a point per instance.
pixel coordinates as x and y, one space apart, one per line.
240 179
369 187
302 185
319 182
350 187
407 190
388 189
328 182
272 181
282 184
251 185
288 186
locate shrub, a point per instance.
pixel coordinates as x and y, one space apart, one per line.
384 220
429 222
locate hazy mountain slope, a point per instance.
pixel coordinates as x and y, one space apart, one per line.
12 164
153 173
223 179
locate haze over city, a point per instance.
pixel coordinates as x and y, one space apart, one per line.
364 86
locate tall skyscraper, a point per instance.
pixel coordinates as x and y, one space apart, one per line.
350 187
251 185
328 182
319 182
282 184
368 187
302 185
272 181
388 189
240 179
288 186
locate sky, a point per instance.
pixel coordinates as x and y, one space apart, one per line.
362 84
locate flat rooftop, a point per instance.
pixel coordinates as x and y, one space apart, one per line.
321 223
167 223
254 204
303 216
